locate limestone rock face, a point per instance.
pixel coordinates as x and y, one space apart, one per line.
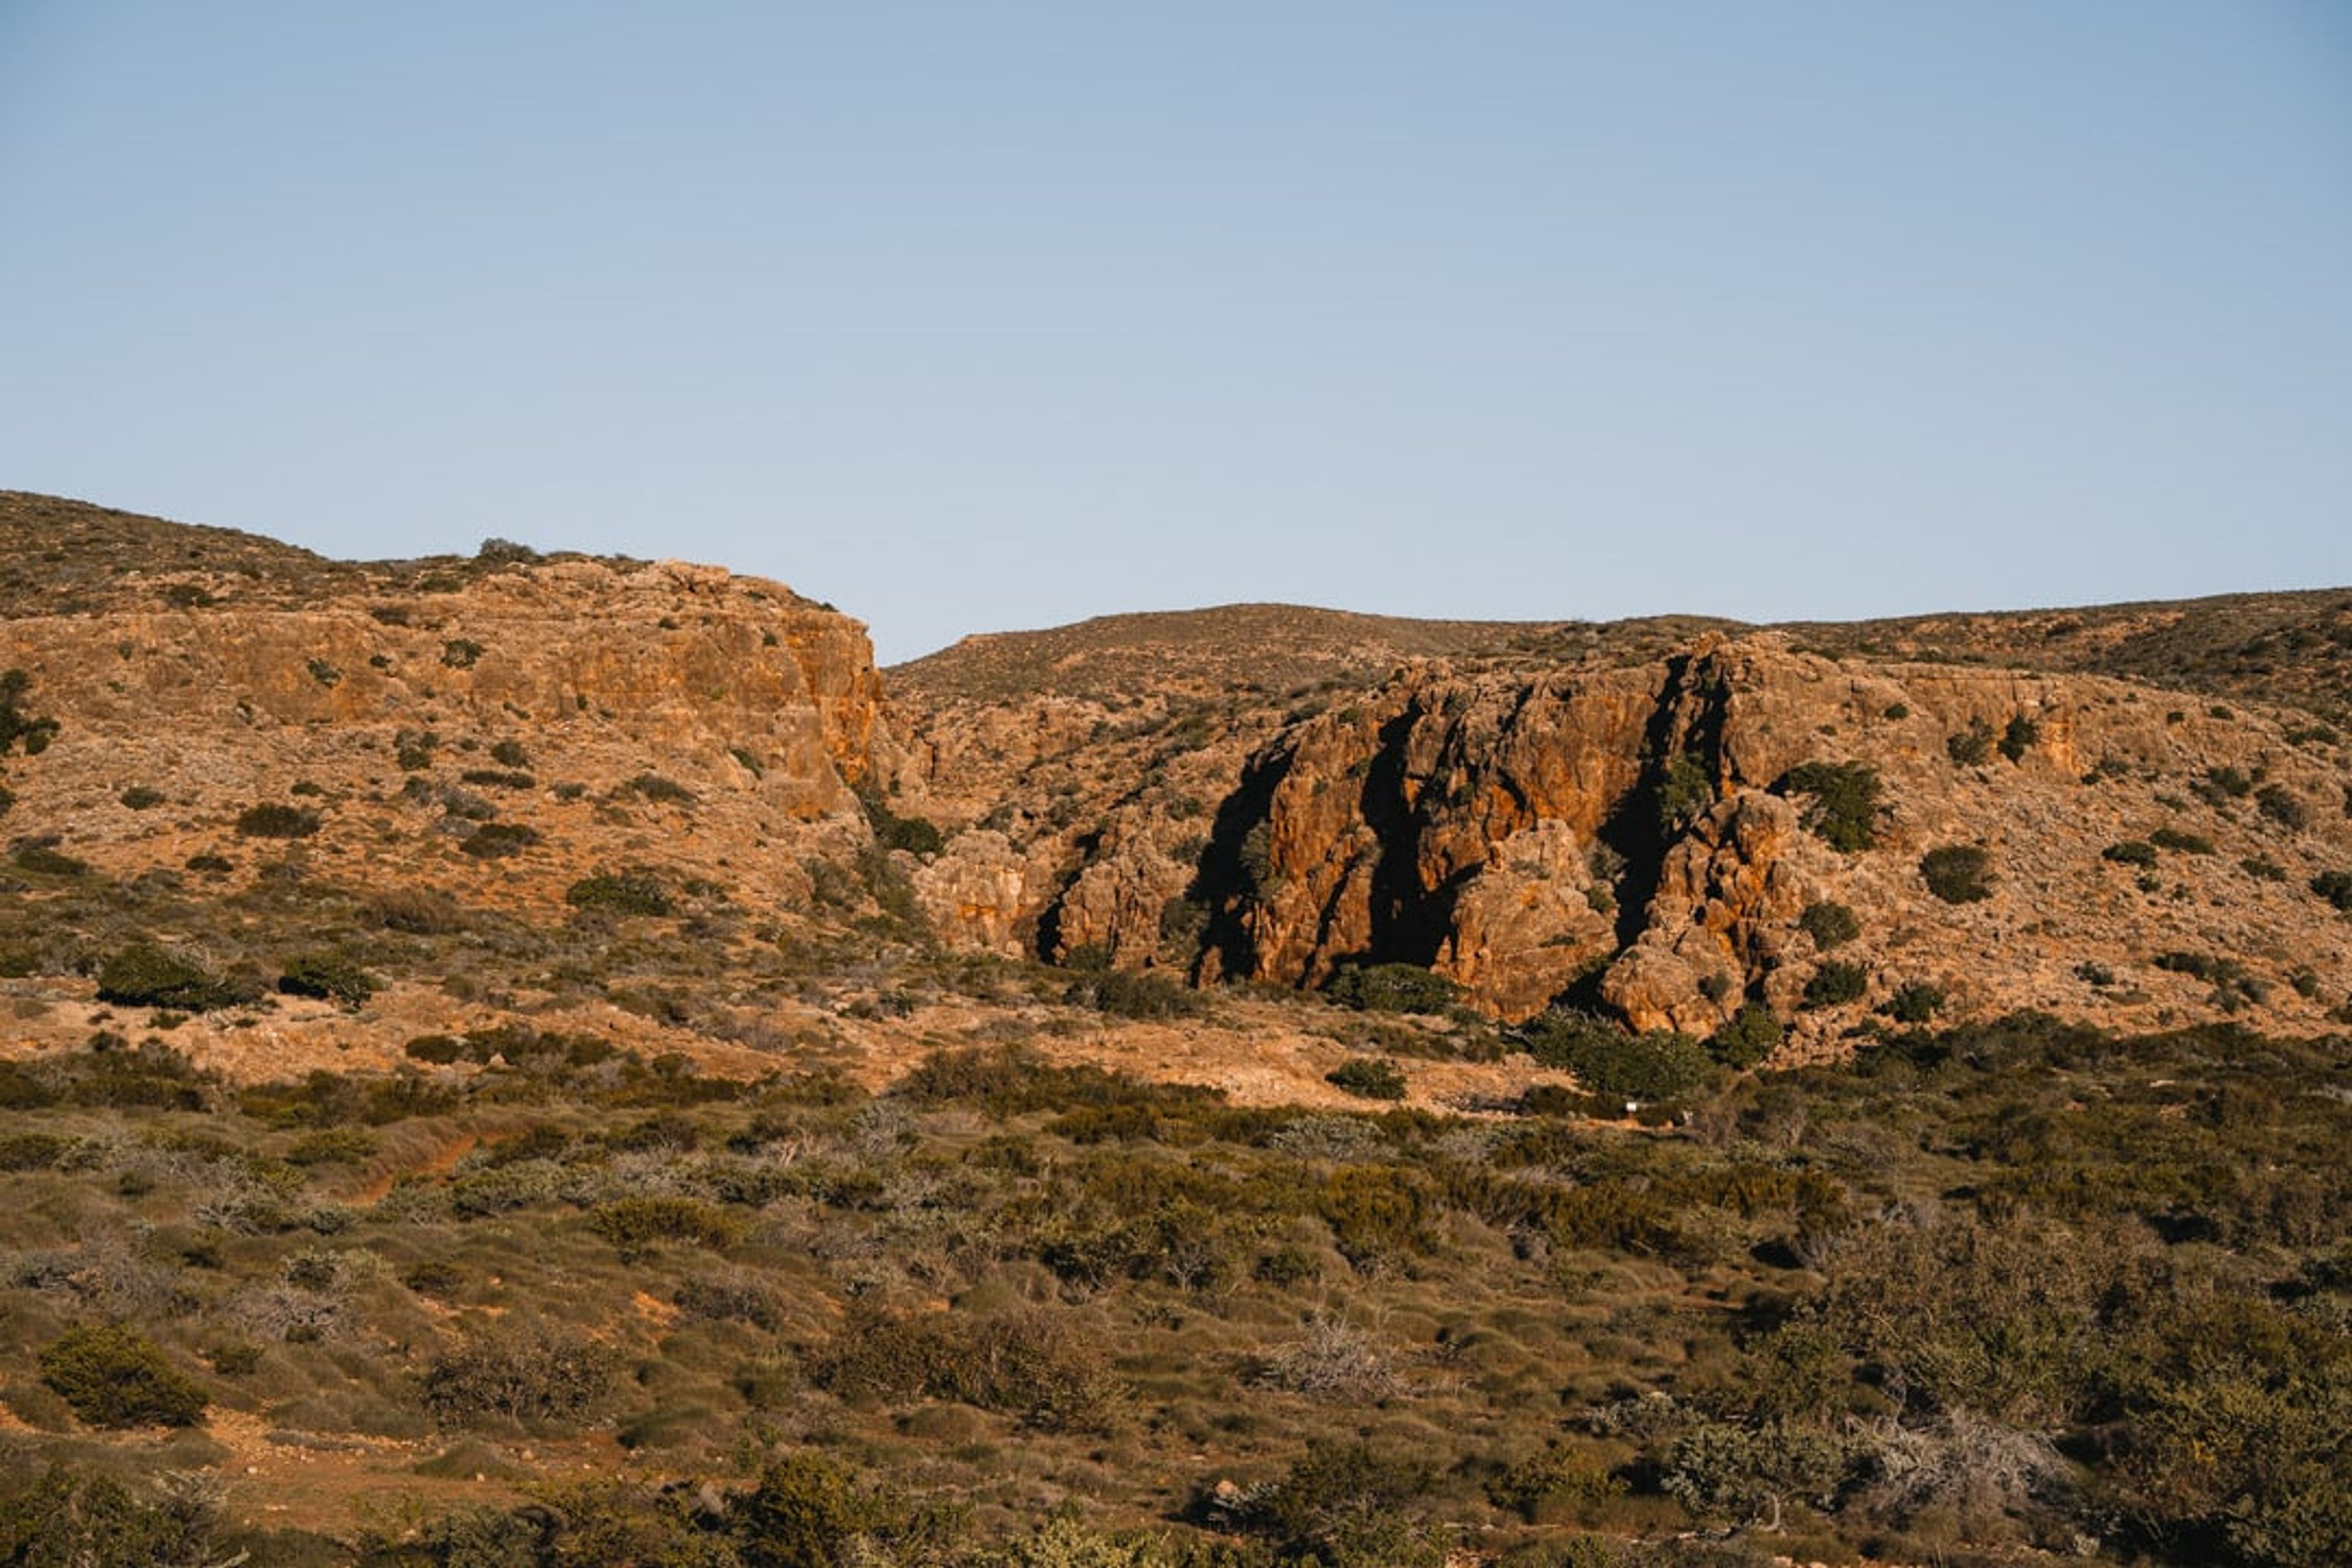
978 886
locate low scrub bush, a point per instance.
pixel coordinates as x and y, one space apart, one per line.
635 1225
1392 988
1915 1002
113 1377
1829 924
1836 982
275 819
1130 993
1957 873
1368 1078
2283 807
2336 886
328 976
1608 1061
1973 746
1751 1035
146 975
622 893
655 787
1043 1367
416 912
1844 809
499 840
517 1375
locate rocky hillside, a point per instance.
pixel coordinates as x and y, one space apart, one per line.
433 771
226 745
1668 821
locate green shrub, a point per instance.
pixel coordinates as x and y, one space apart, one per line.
1686 792
509 754
461 652
1749 1036
1047 1368
1130 993
2130 852
2181 842
329 976
1742 1473
1392 988
498 778
42 857
145 975
1829 924
1555 1482
1610 1062
499 840
1836 982
1343 1505
1368 1078
1971 745
652 786
1957 873
412 750
2019 737
517 1375
88 1518
2283 807
635 1224
2223 784
622 893
1915 1002
31 1151
2336 886
16 729
113 1377
1844 806
273 819
139 797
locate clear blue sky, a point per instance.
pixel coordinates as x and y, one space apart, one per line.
971 315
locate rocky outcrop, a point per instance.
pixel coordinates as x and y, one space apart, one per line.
1636 837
